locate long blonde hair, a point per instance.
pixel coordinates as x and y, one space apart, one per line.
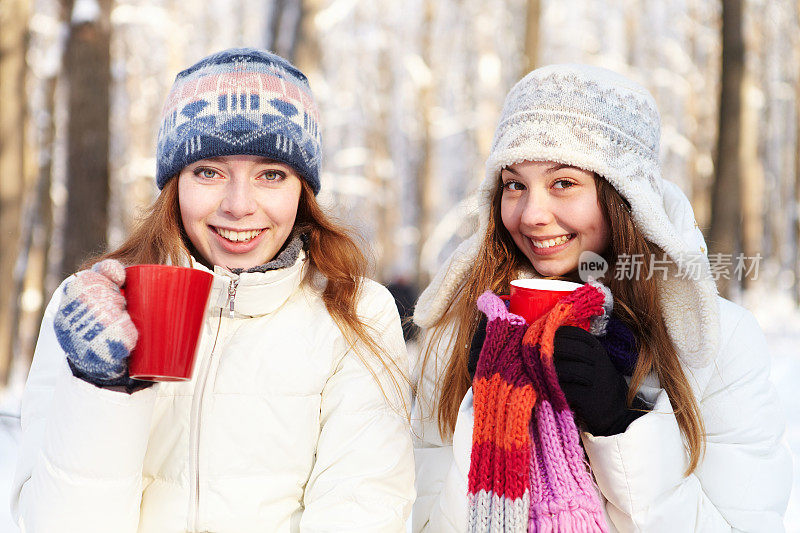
636 304
333 250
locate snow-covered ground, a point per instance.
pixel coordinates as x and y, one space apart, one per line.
781 324
9 442
774 311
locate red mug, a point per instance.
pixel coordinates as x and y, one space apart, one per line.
167 305
533 298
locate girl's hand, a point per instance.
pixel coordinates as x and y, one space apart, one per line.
594 389
93 327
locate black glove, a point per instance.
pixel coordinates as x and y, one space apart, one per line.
476 345
594 389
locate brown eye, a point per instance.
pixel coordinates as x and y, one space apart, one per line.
563 184
513 186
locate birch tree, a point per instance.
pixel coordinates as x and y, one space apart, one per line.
13 172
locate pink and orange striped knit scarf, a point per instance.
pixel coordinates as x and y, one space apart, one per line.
528 473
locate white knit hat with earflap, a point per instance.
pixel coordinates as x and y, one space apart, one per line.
598 120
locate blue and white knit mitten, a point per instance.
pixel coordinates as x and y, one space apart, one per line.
93 327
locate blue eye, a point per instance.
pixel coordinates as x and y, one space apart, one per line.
514 186
273 175
207 173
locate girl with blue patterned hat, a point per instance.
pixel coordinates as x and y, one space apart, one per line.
296 415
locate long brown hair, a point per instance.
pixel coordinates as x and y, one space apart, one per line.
636 303
333 251
158 236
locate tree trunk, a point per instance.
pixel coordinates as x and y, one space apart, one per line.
797 185
13 46
386 202
425 183
87 69
753 215
532 35
726 212
285 19
307 54
38 231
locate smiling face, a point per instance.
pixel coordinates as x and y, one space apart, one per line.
238 210
552 214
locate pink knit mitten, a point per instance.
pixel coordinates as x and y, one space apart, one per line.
93 327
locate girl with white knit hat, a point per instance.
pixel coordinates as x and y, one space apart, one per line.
652 410
296 414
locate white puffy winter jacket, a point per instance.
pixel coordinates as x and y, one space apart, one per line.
742 483
282 428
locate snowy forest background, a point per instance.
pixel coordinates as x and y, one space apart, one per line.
410 92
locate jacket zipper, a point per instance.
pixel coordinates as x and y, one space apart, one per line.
200 392
232 294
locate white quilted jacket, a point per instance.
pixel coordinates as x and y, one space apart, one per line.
282 428
742 483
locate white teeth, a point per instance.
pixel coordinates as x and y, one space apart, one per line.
550 242
238 236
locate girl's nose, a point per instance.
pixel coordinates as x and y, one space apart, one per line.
239 200
536 210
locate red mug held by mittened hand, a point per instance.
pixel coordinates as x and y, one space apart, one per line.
167 305
533 298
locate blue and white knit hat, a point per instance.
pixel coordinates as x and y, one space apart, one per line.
240 101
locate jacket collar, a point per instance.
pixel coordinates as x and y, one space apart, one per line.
255 293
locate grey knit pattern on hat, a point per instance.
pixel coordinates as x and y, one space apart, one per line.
601 121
